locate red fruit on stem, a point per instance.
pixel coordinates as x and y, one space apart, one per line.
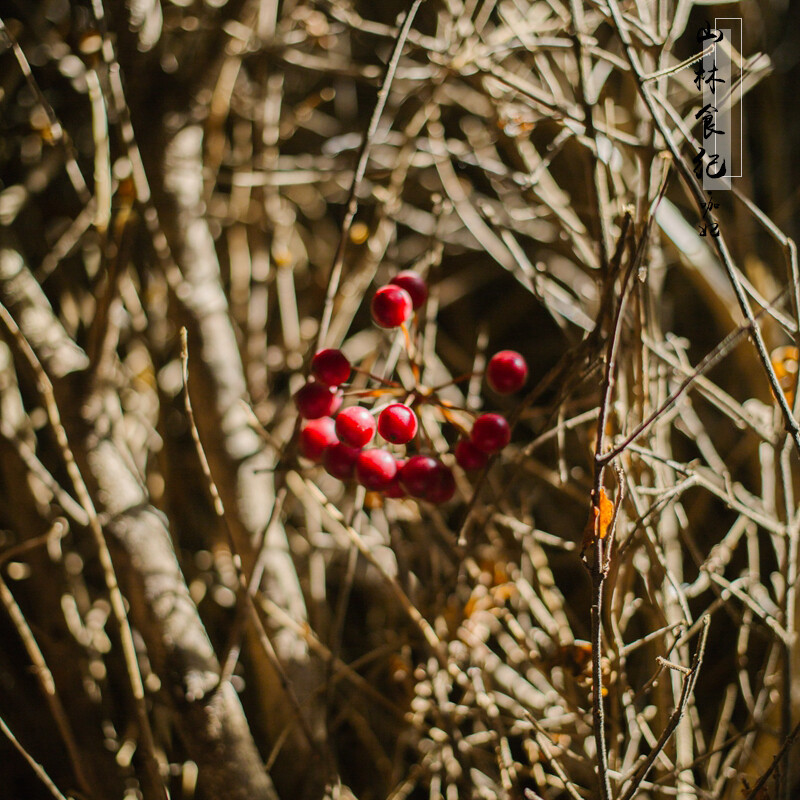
427 478
395 488
355 426
316 400
317 435
375 468
417 473
330 367
442 485
507 371
414 284
340 461
469 457
490 433
397 423
391 306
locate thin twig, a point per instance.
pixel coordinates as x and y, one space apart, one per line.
35 765
244 593
791 425
45 678
755 792
45 387
360 171
708 362
689 681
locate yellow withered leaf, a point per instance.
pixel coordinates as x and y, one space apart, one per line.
604 511
599 521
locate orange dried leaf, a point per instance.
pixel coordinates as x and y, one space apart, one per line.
599 521
604 511
785 363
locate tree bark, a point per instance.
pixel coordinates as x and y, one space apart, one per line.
237 457
208 715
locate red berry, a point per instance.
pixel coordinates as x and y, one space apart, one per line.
391 306
397 423
330 366
316 436
417 473
355 426
316 400
414 284
469 457
395 488
442 486
340 461
375 468
428 478
490 433
507 371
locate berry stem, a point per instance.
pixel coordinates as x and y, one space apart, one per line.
446 406
411 351
453 381
453 421
394 391
415 370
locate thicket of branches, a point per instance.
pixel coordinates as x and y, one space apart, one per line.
608 610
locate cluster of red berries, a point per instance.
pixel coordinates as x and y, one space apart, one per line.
342 444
